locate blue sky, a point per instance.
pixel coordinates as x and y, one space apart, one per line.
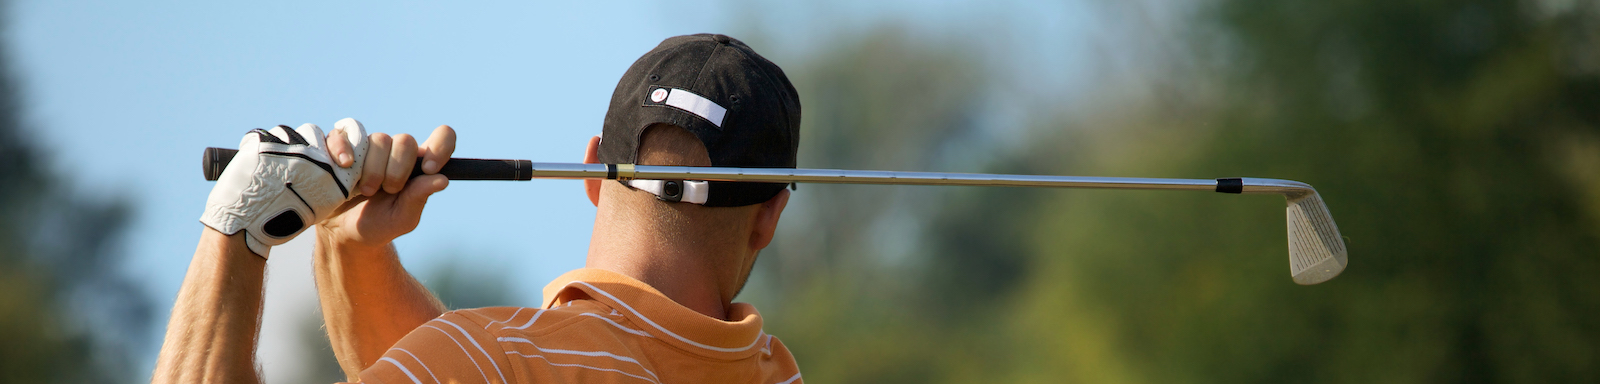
124 95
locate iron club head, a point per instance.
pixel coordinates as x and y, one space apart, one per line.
1316 250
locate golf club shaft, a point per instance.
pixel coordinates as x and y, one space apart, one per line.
216 159
1316 250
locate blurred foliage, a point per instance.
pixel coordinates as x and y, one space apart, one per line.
461 284
317 362
865 274
1454 141
67 314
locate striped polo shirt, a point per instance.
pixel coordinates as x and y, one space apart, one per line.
596 326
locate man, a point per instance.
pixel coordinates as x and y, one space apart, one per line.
653 305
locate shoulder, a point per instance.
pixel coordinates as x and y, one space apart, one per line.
504 343
579 325
454 345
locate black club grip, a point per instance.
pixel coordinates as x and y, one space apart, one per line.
216 159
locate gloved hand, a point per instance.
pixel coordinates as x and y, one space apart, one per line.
281 182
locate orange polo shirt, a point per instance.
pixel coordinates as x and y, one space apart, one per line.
596 326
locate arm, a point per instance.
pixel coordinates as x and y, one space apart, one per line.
369 301
212 334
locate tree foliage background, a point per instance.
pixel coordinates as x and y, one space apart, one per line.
68 314
1454 141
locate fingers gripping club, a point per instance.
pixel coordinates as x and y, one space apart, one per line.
217 159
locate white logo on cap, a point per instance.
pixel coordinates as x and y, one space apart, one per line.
696 104
658 95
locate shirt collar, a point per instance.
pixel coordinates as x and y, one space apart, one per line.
661 316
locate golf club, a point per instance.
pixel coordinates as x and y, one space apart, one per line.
1316 250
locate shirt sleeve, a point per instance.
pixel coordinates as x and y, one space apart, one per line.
450 348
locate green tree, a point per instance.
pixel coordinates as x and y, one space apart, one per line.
1455 143
67 314
885 100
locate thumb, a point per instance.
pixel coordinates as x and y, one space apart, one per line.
416 193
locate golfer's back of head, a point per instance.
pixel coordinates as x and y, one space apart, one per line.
667 257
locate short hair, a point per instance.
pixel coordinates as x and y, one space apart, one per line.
666 144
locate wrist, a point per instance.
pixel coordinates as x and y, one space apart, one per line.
225 246
341 242
280 182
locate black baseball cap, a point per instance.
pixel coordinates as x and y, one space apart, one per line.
738 103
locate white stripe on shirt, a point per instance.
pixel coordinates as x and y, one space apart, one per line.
664 329
791 378
619 326
396 363
480 349
419 362
464 352
547 361
581 353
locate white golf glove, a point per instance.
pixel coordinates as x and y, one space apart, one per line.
281 182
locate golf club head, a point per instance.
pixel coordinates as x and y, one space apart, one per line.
1316 250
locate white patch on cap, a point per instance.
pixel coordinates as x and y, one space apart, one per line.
658 95
692 103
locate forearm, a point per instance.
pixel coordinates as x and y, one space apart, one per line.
211 336
369 301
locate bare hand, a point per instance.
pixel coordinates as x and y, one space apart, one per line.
388 205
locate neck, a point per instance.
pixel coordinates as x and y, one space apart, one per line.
682 269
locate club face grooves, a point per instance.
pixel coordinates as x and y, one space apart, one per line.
1316 250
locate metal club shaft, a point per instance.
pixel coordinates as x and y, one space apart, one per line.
1316 249
841 176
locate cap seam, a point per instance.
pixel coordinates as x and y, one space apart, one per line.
638 135
700 73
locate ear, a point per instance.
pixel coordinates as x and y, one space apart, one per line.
766 221
592 156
